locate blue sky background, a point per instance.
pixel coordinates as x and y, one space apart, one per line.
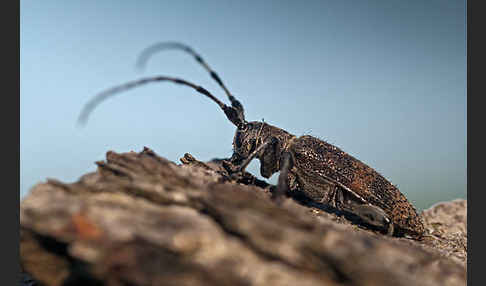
383 80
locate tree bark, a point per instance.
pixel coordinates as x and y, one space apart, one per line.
143 220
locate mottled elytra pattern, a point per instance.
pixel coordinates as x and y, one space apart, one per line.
319 170
315 158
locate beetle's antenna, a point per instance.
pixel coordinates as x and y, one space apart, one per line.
148 52
231 113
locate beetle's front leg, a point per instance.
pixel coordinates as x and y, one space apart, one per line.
238 165
254 154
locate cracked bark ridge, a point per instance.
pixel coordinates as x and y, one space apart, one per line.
143 220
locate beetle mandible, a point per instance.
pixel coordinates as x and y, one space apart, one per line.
321 171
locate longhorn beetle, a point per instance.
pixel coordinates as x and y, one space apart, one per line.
322 172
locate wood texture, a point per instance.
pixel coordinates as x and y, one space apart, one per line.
143 220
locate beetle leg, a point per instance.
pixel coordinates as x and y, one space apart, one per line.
335 198
332 198
244 164
367 213
374 216
338 197
283 178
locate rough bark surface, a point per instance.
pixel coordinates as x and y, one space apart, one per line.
143 220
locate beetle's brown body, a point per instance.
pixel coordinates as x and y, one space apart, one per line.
316 161
321 171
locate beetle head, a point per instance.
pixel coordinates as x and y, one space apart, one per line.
247 138
255 133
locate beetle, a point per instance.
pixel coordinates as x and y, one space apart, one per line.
321 171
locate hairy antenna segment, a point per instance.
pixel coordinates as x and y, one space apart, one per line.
231 114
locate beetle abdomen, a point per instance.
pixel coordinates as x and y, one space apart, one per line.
315 158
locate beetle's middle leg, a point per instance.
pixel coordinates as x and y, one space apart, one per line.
283 178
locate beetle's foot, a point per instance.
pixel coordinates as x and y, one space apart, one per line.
234 173
374 216
236 177
230 167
